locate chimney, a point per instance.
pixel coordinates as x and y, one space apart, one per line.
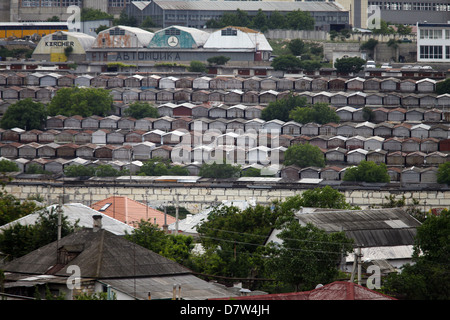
97 225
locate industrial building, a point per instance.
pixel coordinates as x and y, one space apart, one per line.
400 11
178 44
53 47
196 13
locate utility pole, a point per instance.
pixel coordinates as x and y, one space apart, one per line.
176 216
357 265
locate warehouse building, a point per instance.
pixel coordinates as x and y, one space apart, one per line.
327 15
181 45
63 46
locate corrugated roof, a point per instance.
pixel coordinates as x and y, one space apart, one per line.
369 228
338 290
77 212
245 39
144 37
248 6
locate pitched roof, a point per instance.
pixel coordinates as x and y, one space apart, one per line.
130 211
99 254
77 212
338 290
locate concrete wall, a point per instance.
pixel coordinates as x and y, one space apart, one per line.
197 198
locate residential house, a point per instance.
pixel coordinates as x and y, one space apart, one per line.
116 258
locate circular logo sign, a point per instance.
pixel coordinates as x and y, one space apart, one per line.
172 41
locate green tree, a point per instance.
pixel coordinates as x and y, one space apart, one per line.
319 113
139 110
233 240
428 275
25 114
8 166
148 23
351 64
308 256
287 62
125 20
90 14
161 167
277 21
443 174
175 247
325 197
304 155
19 239
78 170
300 20
218 60
81 101
260 21
443 87
297 47
367 171
219 170
197 66
281 109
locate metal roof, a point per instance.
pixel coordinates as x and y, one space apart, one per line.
369 228
77 212
248 6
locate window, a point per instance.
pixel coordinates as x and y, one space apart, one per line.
447 52
59 37
430 34
430 52
117 32
172 32
229 32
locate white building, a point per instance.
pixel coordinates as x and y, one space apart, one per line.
433 42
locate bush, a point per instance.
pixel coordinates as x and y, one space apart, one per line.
219 170
304 155
367 171
319 113
197 66
443 174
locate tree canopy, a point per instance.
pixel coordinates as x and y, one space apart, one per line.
160 167
219 170
424 279
318 113
443 174
139 110
350 65
367 171
304 155
25 114
281 109
81 101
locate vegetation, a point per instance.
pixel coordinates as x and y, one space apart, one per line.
139 110
325 197
8 166
218 60
349 65
430 269
197 66
319 113
175 247
19 239
81 101
219 170
12 208
304 155
161 167
443 87
25 114
367 171
443 174
281 109
90 14
294 20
